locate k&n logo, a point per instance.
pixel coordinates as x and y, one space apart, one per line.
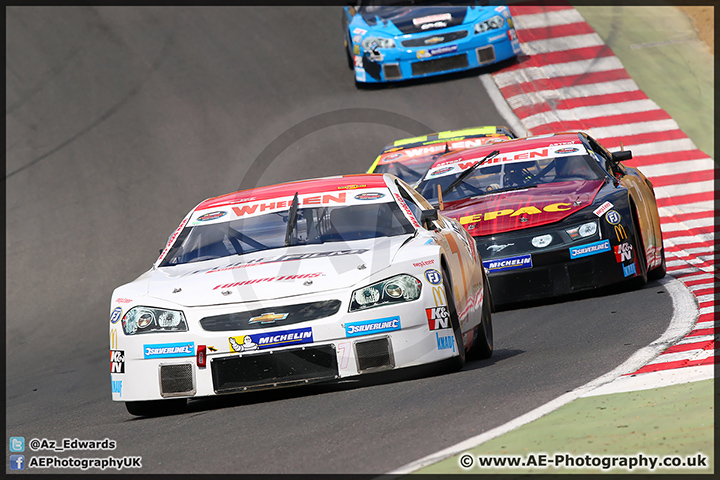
438 317
117 361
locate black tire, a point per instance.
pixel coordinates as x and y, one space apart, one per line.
459 361
658 272
483 346
156 408
642 275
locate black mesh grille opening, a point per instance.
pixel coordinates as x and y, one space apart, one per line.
261 318
440 64
392 70
276 369
176 379
438 39
518 286
486 54
581 274
374 354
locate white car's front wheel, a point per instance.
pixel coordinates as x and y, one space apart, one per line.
455 323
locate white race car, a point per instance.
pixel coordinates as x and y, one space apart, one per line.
310 281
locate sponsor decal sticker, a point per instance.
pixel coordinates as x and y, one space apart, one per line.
438 317
441 171
567 150
613 217
496 38
436 51
433 276
509 263
117 361
116 386
351 187
407 210
623 252
590 249
439 296
116 315
525 211
261 341
629 270
442 17
243 343
359 31
369 196
169 350
123 300
602 209
620 233
113 339
268 279
358 61
446 342
281 258
210 216
424 263
368 327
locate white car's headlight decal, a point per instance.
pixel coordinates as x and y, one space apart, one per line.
400 288
148 319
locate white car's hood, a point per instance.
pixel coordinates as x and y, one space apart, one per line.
274 273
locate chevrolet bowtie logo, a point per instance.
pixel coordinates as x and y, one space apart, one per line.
268 318
434 40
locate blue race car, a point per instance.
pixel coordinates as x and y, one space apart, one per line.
399 42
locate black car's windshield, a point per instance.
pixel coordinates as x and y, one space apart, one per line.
264 232
507 176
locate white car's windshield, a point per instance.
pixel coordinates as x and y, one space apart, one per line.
506 176
268 231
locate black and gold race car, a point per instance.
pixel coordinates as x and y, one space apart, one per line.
551 214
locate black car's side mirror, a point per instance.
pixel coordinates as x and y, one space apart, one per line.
621 156
428 216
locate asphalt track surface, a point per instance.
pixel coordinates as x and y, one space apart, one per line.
120 120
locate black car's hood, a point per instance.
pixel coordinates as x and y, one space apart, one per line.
418 18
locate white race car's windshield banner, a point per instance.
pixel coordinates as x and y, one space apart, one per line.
249 209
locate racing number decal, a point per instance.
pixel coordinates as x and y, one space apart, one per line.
343 350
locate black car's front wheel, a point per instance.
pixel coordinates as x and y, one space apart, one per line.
641 264
659 272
